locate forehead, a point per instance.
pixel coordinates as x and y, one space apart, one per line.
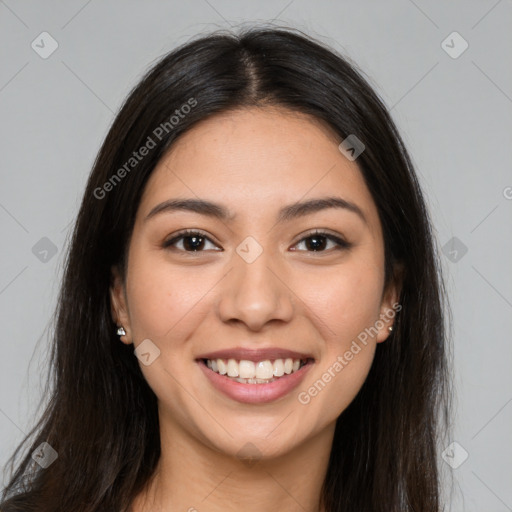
254 161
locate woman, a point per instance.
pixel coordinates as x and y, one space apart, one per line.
252 311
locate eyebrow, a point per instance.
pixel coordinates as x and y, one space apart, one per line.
287 213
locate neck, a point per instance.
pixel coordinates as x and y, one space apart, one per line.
193 476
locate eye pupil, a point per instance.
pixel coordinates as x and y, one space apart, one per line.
316 244
193 241
195 244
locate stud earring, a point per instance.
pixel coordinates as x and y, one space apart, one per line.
121 331
390 328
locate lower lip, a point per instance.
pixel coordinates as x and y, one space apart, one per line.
256 393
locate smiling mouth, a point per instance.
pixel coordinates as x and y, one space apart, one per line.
255 372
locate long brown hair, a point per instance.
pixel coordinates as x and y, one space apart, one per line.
101 418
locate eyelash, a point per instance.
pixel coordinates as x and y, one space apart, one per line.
340 243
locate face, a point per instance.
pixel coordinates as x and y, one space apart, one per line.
270 280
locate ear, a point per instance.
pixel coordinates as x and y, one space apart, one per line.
119 306
390 306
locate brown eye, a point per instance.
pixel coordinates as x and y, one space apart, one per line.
195 241
317 241
192 241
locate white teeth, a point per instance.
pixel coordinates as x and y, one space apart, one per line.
255 381
264 370
278 368
232 368
221 367
247 369
254 373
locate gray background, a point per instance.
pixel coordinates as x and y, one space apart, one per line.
454 114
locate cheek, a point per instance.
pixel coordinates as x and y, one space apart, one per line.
345 300
163 298
342 371
344 305
166 304
342 379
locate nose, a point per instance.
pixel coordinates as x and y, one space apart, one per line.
255 293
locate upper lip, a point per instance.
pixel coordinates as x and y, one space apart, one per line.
255 355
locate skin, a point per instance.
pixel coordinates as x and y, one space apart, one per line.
254 162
